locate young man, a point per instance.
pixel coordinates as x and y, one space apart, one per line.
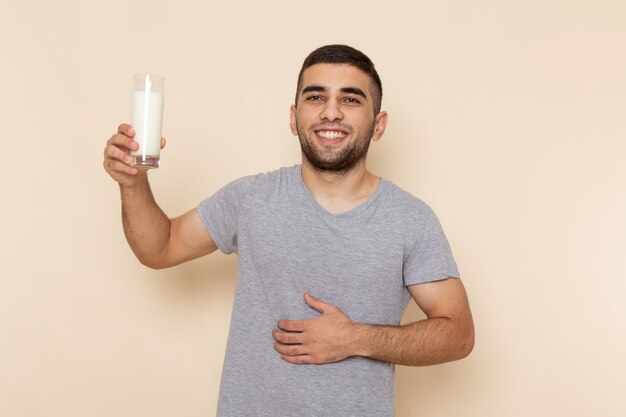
329 255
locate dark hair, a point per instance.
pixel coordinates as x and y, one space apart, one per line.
343 54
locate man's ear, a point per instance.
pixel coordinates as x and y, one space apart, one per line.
380 124
292 120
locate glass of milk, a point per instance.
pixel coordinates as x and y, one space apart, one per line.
147 119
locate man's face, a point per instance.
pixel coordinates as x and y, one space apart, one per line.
334 118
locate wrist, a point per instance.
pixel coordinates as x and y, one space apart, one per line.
360 339
139 185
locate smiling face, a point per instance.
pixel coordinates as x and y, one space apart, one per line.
334 117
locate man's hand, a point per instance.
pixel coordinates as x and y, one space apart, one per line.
117 157
446 335
323 339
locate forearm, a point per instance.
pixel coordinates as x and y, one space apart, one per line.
427 342
447 334
146 227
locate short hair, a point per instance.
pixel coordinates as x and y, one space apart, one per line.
343 54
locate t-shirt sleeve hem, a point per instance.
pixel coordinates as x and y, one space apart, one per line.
430 278
212 229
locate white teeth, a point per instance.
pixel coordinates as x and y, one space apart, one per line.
331 134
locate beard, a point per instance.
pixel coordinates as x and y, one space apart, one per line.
340 161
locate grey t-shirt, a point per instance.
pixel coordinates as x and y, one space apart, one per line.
361 261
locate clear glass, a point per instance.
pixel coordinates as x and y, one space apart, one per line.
147 119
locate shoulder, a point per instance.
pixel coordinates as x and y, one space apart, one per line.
263 185
248 191
405 205
265 180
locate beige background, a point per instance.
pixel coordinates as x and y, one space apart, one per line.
507 117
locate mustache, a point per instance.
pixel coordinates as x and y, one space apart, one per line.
332 126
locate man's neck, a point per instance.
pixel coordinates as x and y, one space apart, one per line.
339 192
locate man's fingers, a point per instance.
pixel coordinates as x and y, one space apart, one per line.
317 304
298 359
287 338
111 165
292 325
122 141
126 129
294 354
114 152
290 350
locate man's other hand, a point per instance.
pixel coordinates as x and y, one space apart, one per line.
323 339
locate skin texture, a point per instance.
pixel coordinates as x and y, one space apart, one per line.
334 120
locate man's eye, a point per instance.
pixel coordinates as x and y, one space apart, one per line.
352 100
314 98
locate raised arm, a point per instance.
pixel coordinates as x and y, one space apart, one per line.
445 335
156 240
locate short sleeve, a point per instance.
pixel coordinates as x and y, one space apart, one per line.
219 214
430 259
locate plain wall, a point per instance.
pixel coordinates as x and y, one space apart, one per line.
507 117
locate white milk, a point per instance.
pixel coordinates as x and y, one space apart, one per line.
147 120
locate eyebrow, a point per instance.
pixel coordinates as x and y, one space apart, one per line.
348 90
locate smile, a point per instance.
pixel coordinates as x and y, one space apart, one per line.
331 134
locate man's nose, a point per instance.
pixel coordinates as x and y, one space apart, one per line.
331 111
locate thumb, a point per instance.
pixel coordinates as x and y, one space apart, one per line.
316 303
